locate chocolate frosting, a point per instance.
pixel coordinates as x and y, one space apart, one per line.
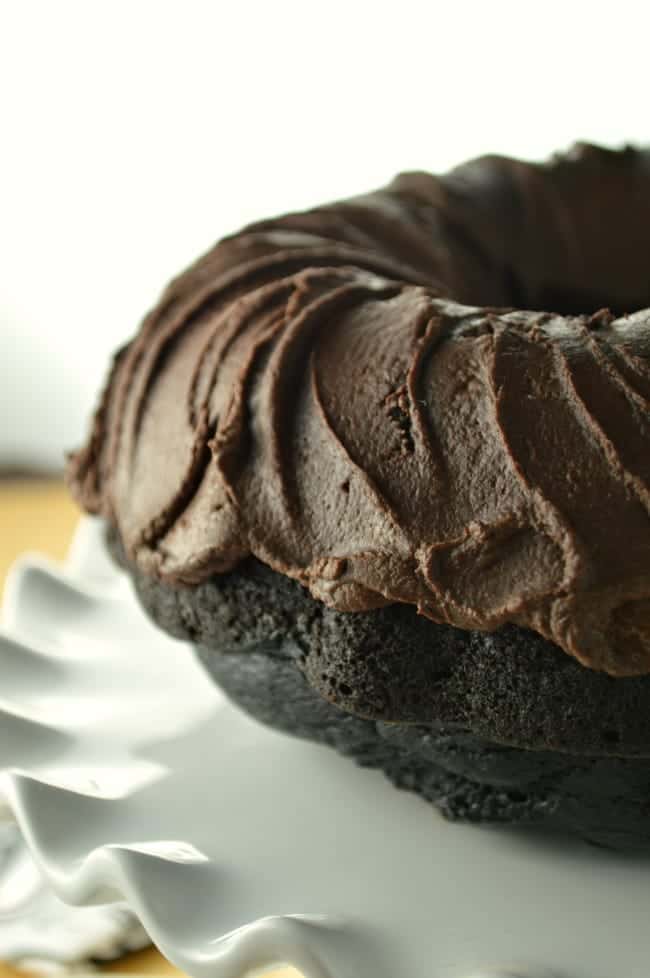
348 395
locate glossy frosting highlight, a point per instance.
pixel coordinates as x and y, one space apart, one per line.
312 392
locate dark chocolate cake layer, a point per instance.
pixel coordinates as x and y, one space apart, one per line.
495 727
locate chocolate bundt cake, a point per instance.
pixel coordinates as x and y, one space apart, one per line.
395 510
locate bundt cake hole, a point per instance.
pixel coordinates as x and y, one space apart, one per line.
568 301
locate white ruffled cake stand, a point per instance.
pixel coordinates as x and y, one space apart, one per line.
240 849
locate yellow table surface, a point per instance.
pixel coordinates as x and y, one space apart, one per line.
37 514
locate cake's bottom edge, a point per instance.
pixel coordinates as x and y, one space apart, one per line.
604 800
490 727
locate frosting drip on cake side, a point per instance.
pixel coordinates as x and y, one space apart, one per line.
311 392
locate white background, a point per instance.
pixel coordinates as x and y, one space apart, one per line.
132 134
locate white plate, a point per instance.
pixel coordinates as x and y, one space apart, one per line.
240 848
